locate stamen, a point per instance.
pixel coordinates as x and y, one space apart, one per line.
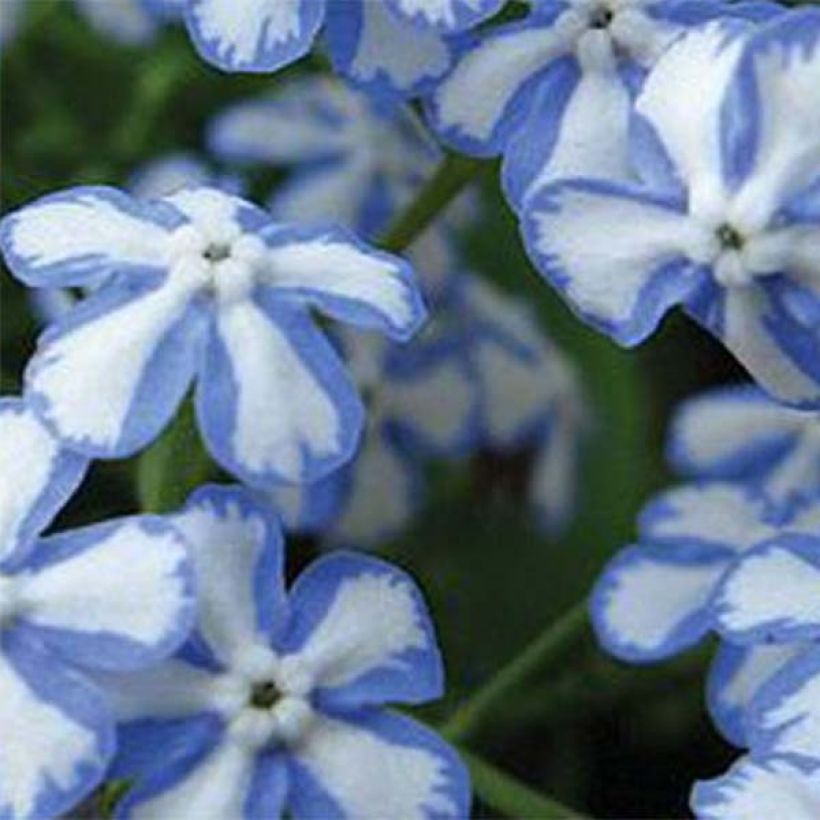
601 17
729 237
216 252
265 695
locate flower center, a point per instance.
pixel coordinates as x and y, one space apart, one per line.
730 238
600 17
265 695
217 252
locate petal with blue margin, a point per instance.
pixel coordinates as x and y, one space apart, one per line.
237 551
347 766
360 628
75 237
446 15
652 602
274 402
78 604
266 36
45 477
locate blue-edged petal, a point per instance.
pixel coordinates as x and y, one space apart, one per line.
125 21
361 626
266 36
383 490
734 432
346 766
617 253
50 304
772 593
58 736
652 602
310 508
755 788
784 717
775 152
82 236
110 373
274 401
446 15
716 516
379 52
486 97
45 477
780 352
76 602
170 172
328 268
237 551
736 675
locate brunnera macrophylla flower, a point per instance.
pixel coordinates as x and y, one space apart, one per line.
67 609
723 218
528 393
738 433
386 47
421 404
203 285
355 160
753 788
553 92
708 557
277 705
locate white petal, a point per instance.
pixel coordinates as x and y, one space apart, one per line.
686 115
751 790
447 15
126 21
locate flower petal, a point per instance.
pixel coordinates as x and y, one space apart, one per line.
618 254
784 717
265 36
57 735
76 603
45 477
758 788
716 516
110 374
446 15
736 675
125 21
83 235
653 602
274 402
345 279
347 768
237 551
732 432
376 50
772 594
361 626
483 100
310 508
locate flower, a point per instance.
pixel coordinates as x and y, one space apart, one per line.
553 92
385 47
67 609
723 220
356 160
202 283
758 788
276 705
421 404
737 433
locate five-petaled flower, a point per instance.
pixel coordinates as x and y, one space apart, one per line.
202 283
113 597
277 703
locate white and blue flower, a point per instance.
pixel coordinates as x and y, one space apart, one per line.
202 284
553 92
386 47
722 220
67 610
753 788
277 704
355 160
738 433
421 404
714 556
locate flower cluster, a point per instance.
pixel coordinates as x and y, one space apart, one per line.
655 152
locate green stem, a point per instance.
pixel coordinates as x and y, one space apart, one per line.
547 648
450 178
504 793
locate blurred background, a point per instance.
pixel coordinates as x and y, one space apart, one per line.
79 107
